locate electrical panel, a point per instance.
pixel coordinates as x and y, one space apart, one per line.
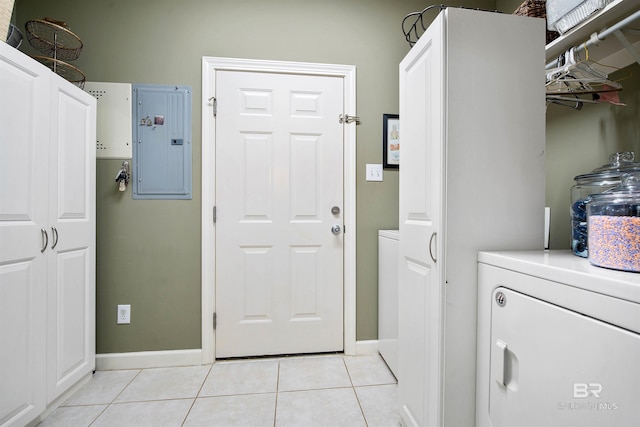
162 159
113 124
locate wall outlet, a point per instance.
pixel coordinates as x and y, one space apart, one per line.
124 314
374 172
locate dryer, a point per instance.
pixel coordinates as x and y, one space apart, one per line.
558 342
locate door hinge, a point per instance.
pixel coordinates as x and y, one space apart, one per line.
215 214
215 321
345 118
214 103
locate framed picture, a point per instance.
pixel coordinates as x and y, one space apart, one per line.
390 141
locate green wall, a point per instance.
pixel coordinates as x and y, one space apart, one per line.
148 252
580 141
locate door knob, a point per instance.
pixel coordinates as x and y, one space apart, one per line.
335 229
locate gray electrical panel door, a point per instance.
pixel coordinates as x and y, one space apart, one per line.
162 142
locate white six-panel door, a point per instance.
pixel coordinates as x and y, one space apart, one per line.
279 193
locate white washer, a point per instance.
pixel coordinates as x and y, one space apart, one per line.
388 297
558 342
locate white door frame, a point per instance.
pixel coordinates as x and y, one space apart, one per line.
210 65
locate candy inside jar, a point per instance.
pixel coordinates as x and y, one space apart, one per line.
599 180
614 226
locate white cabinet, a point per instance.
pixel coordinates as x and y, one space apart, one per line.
472 178
47 236
558 342
388 297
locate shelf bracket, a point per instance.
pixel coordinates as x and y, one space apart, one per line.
627 45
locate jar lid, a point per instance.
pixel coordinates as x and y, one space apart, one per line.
619 163
628 190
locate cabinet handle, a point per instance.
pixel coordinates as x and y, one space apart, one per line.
45 240
501 354
54 233
433 235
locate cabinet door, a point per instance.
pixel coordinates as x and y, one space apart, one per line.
420 288
554 367
71 287
24 87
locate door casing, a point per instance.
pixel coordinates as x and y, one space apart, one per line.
210 65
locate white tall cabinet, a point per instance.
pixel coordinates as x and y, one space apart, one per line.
47 236
472 178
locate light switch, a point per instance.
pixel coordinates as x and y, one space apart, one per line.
374 172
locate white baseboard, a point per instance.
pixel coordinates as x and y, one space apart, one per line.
162 359
365 348
148 359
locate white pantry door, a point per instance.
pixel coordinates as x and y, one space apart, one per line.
421 198
279 193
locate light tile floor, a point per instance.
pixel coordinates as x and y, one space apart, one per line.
322 391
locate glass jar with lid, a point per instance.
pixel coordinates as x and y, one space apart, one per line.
613 219
599 180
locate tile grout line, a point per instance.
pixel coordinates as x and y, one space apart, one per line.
353 388
115 397
197 395
275 409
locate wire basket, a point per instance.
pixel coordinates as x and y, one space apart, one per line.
416 23
64 70
14 38
53 39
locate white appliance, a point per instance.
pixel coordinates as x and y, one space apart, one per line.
388 297
472 178
558 342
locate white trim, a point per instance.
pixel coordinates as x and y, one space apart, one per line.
348 72
148 359
366 348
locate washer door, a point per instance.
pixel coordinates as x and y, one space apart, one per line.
554 367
